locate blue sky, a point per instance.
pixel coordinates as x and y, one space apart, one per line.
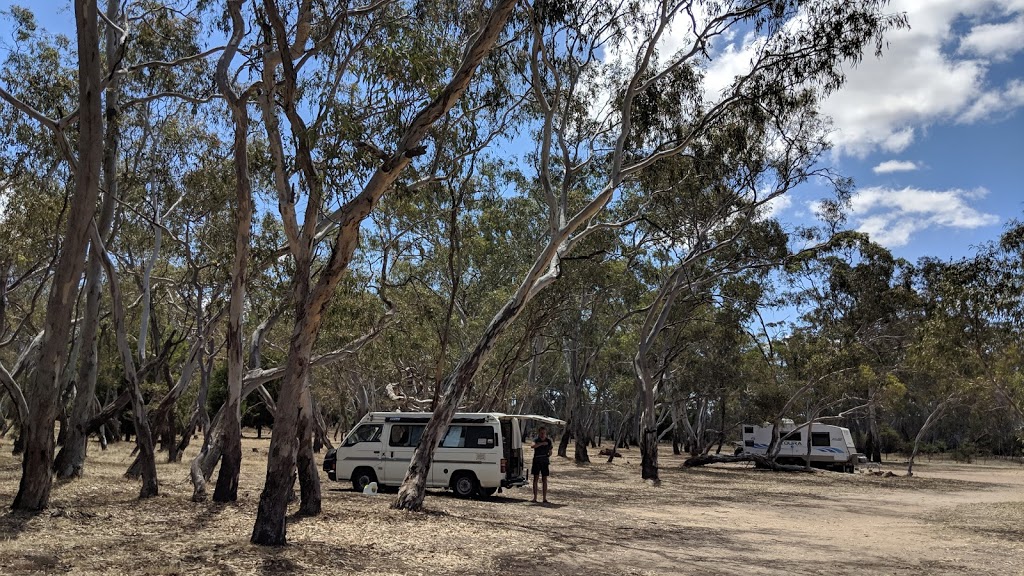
932 133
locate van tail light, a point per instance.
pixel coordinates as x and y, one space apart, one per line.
504 465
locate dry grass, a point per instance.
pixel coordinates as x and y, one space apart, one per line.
729 519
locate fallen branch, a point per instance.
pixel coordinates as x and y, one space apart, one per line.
758 459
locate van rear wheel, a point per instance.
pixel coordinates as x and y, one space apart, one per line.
464 485
361 478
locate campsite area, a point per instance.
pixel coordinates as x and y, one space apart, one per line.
949 518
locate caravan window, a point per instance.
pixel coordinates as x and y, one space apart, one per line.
405 435
792 437
748 429
820 439
468 437
365 433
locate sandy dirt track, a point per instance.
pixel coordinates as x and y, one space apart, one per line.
949 519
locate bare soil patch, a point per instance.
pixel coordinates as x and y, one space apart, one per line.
731 519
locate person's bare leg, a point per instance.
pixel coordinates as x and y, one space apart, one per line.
544 481
535 487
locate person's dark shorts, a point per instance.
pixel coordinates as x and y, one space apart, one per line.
540 467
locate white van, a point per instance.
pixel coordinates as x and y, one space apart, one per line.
831 446
477 455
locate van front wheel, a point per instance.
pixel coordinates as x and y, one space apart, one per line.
361 478
465 485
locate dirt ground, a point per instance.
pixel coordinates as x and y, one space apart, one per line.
948 519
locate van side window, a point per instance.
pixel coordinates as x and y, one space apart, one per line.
820 439
479 437
468 437
405 435
455 438
365 433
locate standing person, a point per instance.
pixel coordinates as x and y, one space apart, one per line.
541 461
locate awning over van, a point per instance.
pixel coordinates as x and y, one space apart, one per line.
544 419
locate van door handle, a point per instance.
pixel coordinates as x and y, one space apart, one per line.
376 451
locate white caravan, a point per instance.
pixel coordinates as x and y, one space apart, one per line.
479 453
831 446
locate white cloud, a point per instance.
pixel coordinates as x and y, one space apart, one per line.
998 41
890 166
892 216
776 206
937 71
934 72
994 103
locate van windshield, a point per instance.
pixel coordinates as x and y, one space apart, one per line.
365 433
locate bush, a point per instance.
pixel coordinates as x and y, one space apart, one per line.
966 452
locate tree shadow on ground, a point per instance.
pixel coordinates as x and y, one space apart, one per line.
13 524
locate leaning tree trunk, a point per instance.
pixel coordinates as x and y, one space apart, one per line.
203 464
455 387
200 418
928 423
143 435
37 464
163 415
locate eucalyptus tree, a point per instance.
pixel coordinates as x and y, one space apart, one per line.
70 461
859 296
701 360
941 371
985 292
145 160
381 68
596 300
799 57
721 237
42 393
